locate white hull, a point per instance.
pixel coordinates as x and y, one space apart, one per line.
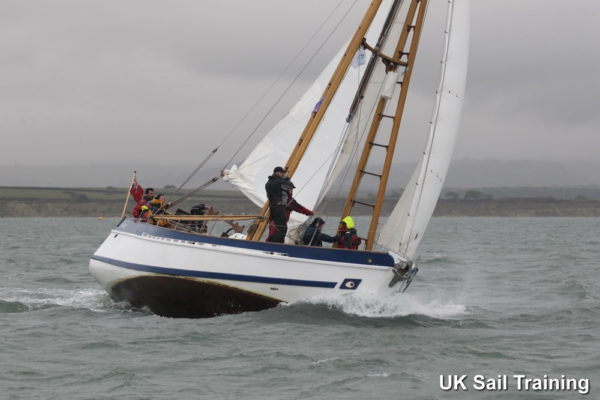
148 266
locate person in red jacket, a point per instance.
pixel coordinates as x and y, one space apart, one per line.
141 211
347 235
142 201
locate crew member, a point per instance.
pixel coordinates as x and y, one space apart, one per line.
200 209
144 200
148 194
347 238
157 207
157 204
281 204
313 235
143 212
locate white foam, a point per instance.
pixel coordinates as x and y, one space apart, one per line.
392 305
37 298
378 375
326 360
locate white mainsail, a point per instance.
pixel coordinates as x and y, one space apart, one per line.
330 149
404 229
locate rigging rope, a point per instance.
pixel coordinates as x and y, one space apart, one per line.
356 146
291 83
208 157
193 192
214 179
257 102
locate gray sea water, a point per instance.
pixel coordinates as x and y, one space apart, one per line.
494 296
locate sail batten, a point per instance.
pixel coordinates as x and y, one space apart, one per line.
404 229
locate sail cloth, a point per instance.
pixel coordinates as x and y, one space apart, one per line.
275 148
404 229
363 116
323 154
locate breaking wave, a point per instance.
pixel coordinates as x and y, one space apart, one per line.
21 300
391 306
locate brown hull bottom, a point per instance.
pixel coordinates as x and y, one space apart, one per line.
174 297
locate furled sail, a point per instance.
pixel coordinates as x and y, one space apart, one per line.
404 229
328 152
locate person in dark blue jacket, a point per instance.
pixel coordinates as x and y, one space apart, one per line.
313 235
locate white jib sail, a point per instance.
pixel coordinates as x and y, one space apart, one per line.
322 154
404 229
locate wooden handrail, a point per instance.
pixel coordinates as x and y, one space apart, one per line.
207 217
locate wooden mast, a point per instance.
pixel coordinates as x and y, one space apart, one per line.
326 98
417 8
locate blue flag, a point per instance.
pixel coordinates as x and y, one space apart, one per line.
359 58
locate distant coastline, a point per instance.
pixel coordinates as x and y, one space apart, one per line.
108 202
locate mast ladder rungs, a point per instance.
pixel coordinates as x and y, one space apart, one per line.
386 115
370 173
364 204
379 145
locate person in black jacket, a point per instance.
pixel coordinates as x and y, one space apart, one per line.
281 204
313 235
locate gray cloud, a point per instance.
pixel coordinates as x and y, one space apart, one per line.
105 81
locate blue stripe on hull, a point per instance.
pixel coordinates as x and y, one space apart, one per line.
214 275
312 253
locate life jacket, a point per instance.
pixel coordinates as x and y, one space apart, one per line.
347 236
137 209
156 205
279 190
349 240
145 213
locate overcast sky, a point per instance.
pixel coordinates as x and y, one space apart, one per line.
86 82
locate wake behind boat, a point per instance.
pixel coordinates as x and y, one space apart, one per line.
175 269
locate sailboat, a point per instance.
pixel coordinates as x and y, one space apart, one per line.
353 110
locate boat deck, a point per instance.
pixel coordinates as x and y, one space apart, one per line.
374 258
